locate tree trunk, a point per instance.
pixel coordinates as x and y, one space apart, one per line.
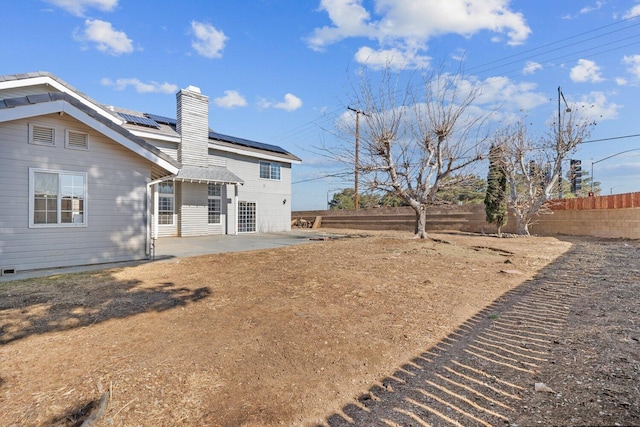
523 227
421 222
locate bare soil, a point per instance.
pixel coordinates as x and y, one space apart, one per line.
375 329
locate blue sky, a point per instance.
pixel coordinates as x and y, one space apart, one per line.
280 71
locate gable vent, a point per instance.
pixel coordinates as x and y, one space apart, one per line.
42 135
77 140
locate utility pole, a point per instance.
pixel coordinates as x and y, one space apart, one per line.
357 160
559 143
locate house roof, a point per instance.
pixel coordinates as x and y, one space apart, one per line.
154 124
211 174
48 79
222 140
166 126
60 102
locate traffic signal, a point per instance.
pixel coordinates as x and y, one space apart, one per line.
576 175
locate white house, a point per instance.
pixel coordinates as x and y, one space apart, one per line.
85 183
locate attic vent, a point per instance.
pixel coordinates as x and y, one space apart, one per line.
41 135
77 140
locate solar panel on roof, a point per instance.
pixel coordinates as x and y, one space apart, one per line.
161 119
247 143
138 120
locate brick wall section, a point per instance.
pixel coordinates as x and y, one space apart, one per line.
615 216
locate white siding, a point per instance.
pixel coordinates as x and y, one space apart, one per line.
168 148
115 205
273 215
193 126
193 206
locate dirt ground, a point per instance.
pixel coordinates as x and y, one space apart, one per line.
366 329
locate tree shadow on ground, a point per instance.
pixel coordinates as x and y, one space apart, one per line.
38 306
480 373
74 417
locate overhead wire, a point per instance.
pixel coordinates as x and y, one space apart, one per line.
323 122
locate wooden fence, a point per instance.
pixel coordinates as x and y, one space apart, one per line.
614 216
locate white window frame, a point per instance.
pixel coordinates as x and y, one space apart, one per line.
67 133
273 167
32 133
59 197
213 198
171 196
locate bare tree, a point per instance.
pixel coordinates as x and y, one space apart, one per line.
534 167
417 139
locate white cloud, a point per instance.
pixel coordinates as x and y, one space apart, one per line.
634 65
106 38
588 9
594 106
231 99
621 81
510 95
78 7
586 71
531 67
349 18
411 24
394 58
633 12
290 103
209 41
139 86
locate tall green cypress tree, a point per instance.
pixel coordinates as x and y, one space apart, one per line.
495 200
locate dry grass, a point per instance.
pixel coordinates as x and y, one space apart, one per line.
283 336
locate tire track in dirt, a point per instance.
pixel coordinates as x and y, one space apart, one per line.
480 374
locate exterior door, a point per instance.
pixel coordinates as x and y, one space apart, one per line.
246 217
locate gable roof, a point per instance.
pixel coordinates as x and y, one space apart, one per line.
13 81
59 102
166 128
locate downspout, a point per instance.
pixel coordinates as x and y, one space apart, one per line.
236 211
148 224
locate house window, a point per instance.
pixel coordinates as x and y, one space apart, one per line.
57 198
246 217
41 135
76 140
165 203
270 170
215 203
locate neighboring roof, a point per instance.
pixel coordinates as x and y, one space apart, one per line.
12 108
213 174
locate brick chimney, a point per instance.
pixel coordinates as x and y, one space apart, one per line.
193 127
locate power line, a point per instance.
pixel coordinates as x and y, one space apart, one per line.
555 49
301 130
611 139
333 175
